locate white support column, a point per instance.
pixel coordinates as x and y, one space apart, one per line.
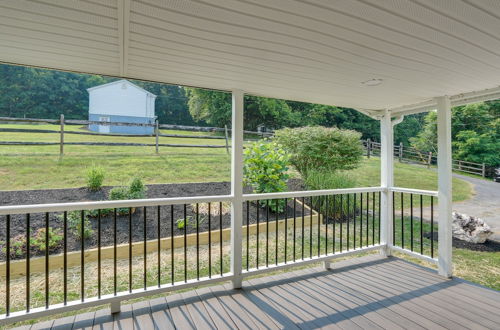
444 186
386 181
237 188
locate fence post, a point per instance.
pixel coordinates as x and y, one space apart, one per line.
400 152
227 137
483 170
61 142
368 147
429 159
157 132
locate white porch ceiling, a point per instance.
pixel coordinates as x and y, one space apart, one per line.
313 51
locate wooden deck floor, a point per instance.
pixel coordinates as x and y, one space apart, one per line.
369 292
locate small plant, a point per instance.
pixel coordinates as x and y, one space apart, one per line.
75 224
38 244
137 189
119 193
265 167
95 178
181 223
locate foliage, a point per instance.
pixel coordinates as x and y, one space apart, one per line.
336 207
95 178
265 167
37 242
189 221
321 148
475 131
137 189
120 193
75 224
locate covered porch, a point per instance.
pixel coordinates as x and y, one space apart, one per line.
423 57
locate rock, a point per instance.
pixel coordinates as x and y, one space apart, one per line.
470 229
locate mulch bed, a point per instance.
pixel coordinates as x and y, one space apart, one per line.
37 221
488 246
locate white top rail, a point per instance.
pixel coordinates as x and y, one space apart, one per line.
414 191
78 206
309 193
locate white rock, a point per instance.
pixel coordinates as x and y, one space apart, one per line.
470 229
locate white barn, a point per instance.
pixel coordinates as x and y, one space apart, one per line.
121 101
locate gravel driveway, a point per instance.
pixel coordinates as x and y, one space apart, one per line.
485 203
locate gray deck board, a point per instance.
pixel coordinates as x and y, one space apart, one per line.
370 292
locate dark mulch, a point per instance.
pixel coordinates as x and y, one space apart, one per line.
37 221
488 246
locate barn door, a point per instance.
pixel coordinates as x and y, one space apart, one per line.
104 128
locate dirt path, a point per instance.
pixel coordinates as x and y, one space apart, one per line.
485 203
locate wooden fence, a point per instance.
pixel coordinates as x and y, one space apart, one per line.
412 155
157 134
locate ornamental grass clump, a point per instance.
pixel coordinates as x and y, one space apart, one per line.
265 170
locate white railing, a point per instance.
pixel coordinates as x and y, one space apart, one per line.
312 213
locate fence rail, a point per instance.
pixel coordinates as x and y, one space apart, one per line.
409 154
157 134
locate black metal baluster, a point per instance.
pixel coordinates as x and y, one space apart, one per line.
303 220
276 232
286 227
99 254
144 231
47 260
197 242
7 265
379 210
348 219
367 217
334 221
421 224
432 226
319 224
411 222
115 243
158 234
354 219
325 219
258 235
220 240
341 222
130 249
248 233
361 220
28 252
373 218
267 233
311 228
172 246
209 240
82 256
185 242
294 224
402 223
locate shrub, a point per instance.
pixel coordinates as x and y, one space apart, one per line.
321 148
95 178
137 189
37 242
337 207
75 224
265 167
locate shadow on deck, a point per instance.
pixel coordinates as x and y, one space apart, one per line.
368 292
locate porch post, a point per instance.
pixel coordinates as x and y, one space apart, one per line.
237 187
386 181
444 186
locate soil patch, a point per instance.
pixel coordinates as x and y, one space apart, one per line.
488 246
132 227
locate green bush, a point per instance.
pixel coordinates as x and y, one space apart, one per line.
338 208
136 189
38 244
265 167
95 178
75 224
321 148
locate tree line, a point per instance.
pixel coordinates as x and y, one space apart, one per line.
41 93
